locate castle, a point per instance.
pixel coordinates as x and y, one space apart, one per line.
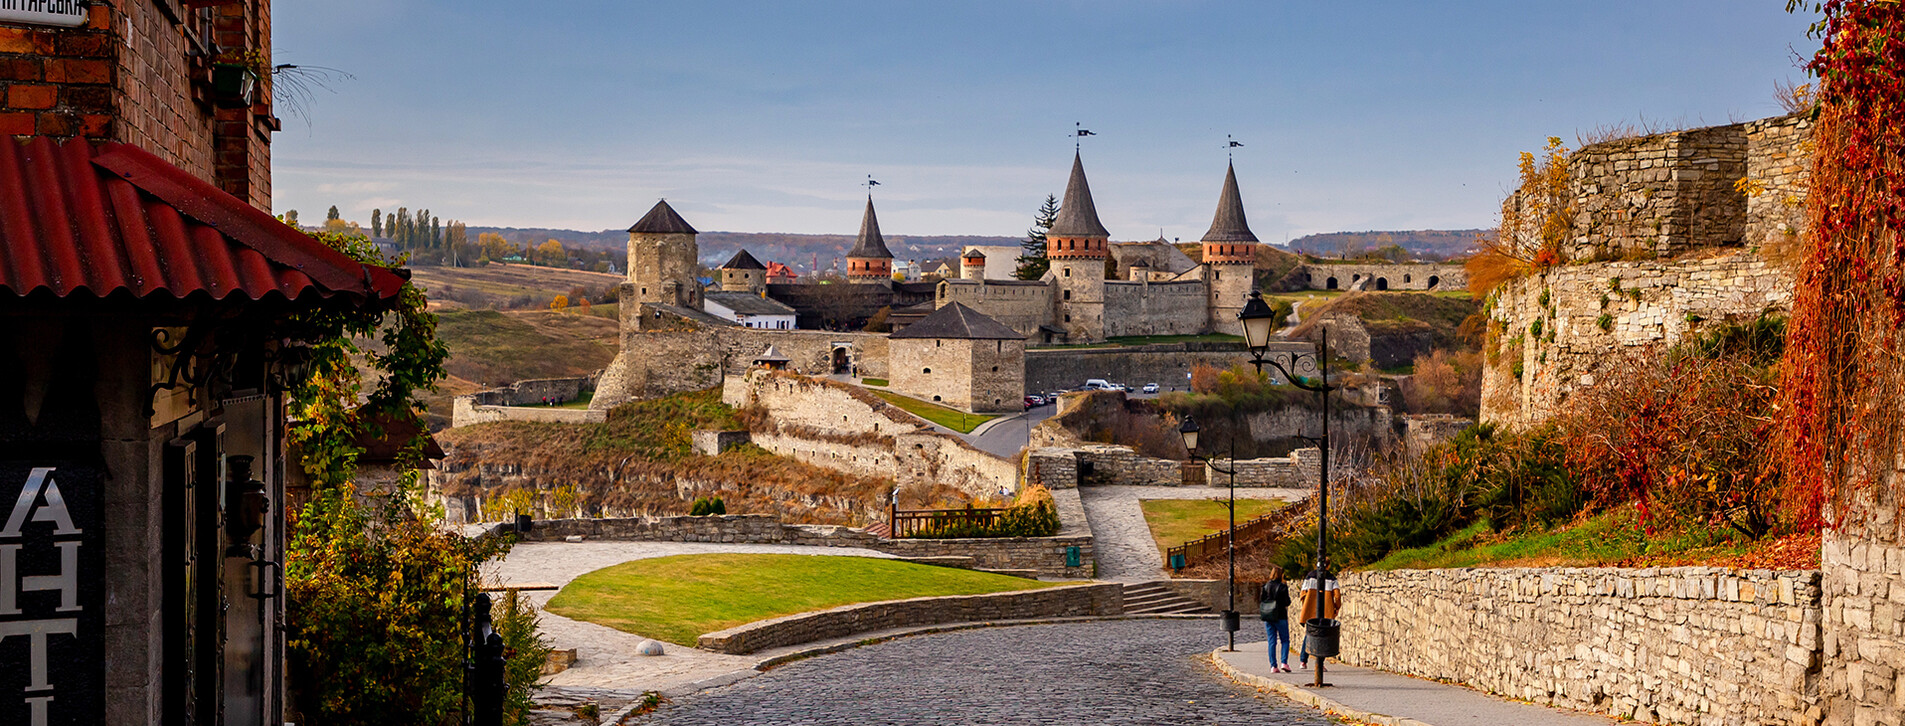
678 335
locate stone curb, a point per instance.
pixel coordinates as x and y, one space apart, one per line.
1300 695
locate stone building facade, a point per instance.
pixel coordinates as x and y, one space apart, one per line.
960 358
1427 277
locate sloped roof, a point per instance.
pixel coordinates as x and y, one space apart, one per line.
1078 216
974 254
747 303
98 219
1229 225
743 261
956 321
870 243
662 219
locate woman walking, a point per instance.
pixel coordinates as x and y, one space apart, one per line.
1273 606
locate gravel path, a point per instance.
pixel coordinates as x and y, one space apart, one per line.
1121 672
605 657
1125 550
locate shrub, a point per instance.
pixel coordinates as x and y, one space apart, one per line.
1032 515
706 506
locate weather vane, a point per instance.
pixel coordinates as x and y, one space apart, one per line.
869 184
1078 132
1230 143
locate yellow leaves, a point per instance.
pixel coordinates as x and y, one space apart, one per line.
1749 186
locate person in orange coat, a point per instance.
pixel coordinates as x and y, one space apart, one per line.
1321 599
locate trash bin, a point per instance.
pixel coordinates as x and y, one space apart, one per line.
1232 623
1177 562
1323 634
1073 557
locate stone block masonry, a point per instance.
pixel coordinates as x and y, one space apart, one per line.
1068 601
1691 645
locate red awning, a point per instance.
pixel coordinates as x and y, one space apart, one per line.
96 219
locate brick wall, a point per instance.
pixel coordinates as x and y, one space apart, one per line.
1691 645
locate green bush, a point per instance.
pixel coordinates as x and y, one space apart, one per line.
1037 517
706 506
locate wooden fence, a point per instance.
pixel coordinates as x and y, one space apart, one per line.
1214 545
916 522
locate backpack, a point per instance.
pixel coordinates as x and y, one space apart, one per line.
1275 602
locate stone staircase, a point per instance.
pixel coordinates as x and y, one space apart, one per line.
1155 598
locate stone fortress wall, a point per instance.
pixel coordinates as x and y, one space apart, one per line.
1022 305
1378 276
1069 467
523 401
844 428
1667 242
1166 364
667 349
1155 308
1690 645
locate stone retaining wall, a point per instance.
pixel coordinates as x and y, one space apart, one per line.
1690 645
1059 467
467 410
1065 601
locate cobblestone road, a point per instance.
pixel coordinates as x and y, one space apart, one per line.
1117 672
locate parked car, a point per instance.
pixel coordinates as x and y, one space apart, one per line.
1118 387
1150 388
1034 401
1097 384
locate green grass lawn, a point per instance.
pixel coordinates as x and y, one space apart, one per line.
678 598
1176 521
582 402
1604 539
951 418
873 381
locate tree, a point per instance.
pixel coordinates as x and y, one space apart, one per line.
1032 262
377 223
401 228
551 254
561 301
330 215
436 232
291 217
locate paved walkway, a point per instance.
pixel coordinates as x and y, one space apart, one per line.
605 657
1125 550
1118 672
1358 691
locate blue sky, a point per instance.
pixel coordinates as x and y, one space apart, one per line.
766 116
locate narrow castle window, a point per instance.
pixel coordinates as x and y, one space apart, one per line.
1068 294
1068 272
925 370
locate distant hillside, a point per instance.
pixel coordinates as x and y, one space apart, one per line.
1428 243
795 250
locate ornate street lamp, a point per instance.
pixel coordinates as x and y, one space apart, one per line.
1189 430
1258 320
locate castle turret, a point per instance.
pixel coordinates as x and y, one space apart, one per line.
743 273
973 264
1230 258
663 259
1077 245
869 261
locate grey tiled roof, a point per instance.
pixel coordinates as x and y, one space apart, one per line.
743 261
956 321
1229 225
870 243
663 220
748 303
1078 217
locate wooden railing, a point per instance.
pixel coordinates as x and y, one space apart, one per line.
918 522
1214 545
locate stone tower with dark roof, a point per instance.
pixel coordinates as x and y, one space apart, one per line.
1230 257
1077 246
663 259
869 261
743 273
972 265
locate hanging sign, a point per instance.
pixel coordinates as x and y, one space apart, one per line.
52 600
63 13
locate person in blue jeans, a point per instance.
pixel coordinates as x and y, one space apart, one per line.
1273 607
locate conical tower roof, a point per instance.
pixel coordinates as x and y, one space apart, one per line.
663 220
1229 225
870 243
1078 217
743 261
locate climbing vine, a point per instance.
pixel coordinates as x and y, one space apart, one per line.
1843 396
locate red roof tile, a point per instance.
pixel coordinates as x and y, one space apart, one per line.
95 219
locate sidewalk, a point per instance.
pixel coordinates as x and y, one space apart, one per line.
1386 698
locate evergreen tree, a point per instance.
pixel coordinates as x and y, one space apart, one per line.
376 223
436 233
328 216
1032 262
401 227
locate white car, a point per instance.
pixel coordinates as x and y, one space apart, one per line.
1150 388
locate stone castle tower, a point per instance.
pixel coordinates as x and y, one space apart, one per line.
743 273
1230 258
663 259
972 265
869 262
1077 245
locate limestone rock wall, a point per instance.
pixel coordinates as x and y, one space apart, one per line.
1864 586
1559 331
1381 276
1166 364
1702 646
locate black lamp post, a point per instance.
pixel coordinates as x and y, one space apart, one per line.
1189 430
1258 320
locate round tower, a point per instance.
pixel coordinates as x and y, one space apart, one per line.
869 261
1077 245
743 273
1230 258
973 265
663 259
